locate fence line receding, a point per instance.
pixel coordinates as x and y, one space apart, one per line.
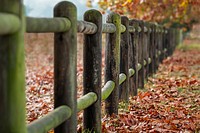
134 49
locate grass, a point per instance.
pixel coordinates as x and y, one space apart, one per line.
187 47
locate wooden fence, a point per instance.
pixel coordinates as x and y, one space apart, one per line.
134 49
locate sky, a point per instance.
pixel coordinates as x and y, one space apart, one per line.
44 8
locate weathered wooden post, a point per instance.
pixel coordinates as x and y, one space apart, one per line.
65 50
157 40
133 54
151 48
167 41
112 62
170 41
146 49
164 43
92 71
160 53
12 68
154 48
141 55
124 60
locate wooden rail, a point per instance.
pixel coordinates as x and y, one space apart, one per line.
134 49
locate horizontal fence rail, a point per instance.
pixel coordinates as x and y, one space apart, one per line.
42 25
50 121
35 25
134 49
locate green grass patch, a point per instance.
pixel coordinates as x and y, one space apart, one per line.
196 91
187 47
180 89
123 106
142 89
88 131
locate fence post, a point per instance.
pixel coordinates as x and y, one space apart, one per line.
160 44
65 50
164 43
141 55
124 60
170 41
156 47
151 48
92 71
146 49
133 54
12 77
112 62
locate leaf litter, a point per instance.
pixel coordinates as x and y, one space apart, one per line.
170 102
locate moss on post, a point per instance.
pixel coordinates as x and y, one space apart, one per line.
112 61
92 71
124 59
12 77
133 56
65 61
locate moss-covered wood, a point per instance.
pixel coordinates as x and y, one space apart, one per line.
86 27
92 60
65 61
107 89
50 121
156 47
141 51
123 28
108 28
133 56
145 62
124 60
122 78
131 29
131 72
109 86
151 42
139 66
9 23
149 60
42 25
86 100
112 62
146 50
12 77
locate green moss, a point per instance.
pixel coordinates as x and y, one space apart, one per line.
123 106
180 89
185 47
88 131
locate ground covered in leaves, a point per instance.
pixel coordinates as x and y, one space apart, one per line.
170 101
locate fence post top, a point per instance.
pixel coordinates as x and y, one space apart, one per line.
113 16
135 24
63 4
134 20
95 12
123 16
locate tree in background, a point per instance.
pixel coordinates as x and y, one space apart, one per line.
170 13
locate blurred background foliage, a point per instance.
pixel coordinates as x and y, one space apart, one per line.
170 13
